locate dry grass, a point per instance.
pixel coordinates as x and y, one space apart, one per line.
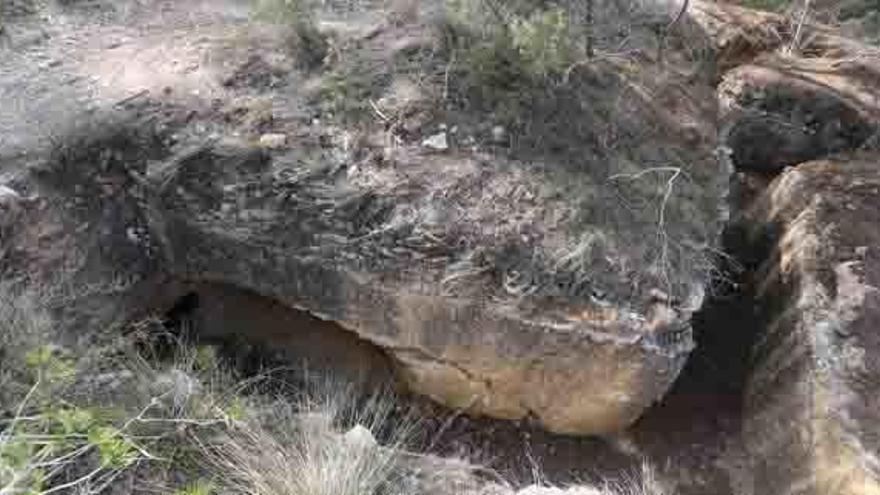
300 449
24 325
92 420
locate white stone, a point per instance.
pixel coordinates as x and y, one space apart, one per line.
132 234
438 142
499 134
273 141
8 194
360 437
10 200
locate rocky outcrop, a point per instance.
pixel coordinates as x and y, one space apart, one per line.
737 35
812 400
550 275
373 250
781 111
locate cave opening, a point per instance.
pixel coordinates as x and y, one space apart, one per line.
693 424
254 333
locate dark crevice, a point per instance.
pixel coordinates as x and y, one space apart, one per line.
701 417
254 334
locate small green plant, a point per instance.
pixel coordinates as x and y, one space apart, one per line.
198 487
346 92
49 363
506 57
546 41
116 450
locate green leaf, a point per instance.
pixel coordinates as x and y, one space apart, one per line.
72 421
48 361
115 450
236 410
206 357
199 487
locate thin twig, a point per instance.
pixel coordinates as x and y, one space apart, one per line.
9 431
796 40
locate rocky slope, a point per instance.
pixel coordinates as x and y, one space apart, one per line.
547 270
513 284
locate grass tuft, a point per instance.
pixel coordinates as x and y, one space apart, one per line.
91 420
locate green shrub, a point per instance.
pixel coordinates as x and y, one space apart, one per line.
532 43
346 91
546 41
505 59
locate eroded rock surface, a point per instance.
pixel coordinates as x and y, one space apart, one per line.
813 405
554 285
373 249
783 111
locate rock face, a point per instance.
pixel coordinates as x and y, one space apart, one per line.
814 395
467 271
551 281
362 256
786 115
737 35
782 111
230 316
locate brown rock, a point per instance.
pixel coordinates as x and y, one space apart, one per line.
737 34
781 111
813 401
471 325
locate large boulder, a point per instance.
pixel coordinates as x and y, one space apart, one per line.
782 111
812 400
737 35
787 95
445 263
554 280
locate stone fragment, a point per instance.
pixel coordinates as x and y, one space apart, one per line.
436 142
273 141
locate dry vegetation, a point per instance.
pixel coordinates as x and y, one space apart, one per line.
121 412
170 419
858 18
534 82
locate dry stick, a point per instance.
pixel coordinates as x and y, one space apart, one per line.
795 42
661 220
681 12
446 75
378 111
73 483
661 230
591 37
662 34
11 429
131 98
